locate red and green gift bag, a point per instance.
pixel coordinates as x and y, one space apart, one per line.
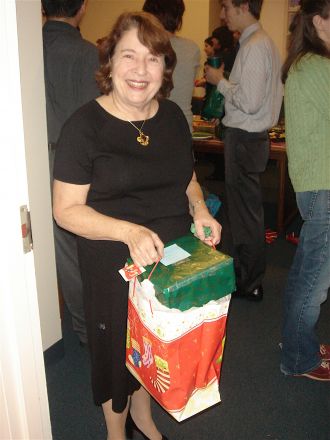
177 326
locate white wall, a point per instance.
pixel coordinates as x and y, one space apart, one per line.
24 410
35 140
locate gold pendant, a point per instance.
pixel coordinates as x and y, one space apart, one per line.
143 139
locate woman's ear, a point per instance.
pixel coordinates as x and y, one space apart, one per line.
318 23
320 27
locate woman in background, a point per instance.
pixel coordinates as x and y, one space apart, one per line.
224 46
209 47
170 13
306 74
209 52
125 185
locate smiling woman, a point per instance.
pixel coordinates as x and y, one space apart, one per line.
138 75
124 183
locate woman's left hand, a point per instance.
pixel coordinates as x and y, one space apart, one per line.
203 218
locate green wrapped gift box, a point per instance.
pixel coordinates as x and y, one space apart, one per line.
203 276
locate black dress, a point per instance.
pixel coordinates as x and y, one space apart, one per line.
143 185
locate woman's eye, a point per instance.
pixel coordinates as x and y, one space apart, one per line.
154 59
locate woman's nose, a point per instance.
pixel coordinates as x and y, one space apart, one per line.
141 66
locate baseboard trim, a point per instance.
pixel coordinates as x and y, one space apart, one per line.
54 353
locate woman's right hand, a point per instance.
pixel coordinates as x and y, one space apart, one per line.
144 245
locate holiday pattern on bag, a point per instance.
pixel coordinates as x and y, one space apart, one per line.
176 355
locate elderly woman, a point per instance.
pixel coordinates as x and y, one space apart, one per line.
124 183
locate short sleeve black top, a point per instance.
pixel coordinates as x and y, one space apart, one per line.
127 180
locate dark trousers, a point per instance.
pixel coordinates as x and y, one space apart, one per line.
246 156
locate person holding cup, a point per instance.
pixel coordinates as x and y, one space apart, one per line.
253 97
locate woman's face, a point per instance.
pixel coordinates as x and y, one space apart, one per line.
137 74
322 26
208 49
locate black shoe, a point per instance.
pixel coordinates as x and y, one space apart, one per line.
131 426
255 295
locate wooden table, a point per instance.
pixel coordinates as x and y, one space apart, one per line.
277 153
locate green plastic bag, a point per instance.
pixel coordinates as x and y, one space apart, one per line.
214 104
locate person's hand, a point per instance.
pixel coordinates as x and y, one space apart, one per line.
144 245
212 75
200 82
203 218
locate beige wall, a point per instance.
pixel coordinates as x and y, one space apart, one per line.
200 18
274 21
101 15
214 16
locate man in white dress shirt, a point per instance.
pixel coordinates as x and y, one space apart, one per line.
253 98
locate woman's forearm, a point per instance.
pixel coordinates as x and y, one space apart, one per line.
85 221
195 196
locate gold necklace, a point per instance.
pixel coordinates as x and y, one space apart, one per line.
142 139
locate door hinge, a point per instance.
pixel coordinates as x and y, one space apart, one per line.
26 229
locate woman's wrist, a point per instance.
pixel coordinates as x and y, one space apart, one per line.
197 204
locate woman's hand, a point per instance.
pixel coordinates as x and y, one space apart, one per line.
214 76
201 215
203 218
144 245
200 82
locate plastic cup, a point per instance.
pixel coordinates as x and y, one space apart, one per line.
214 62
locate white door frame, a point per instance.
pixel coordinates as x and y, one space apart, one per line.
29 315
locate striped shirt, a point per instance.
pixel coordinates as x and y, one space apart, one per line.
254 92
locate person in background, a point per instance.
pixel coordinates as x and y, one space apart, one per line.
253 96
70 63
224 46
209 52
209 47
125 184
306 74
170 13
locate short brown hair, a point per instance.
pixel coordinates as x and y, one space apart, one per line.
151 34
254 6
